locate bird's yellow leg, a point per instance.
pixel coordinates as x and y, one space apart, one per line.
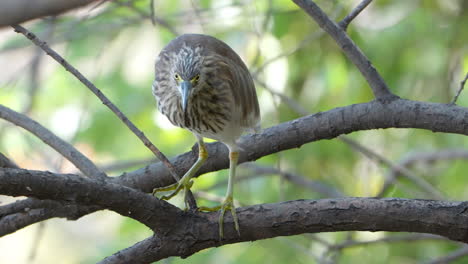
186 182
228 201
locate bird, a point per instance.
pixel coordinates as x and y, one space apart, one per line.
201 84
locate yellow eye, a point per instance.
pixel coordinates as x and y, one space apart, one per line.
177 77
196 78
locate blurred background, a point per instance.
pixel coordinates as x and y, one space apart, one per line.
419 47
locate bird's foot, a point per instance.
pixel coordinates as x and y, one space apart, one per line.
185 183
227 205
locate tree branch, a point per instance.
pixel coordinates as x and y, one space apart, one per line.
399 113
183 234
84 164
263 221
20 214
459 253
299 180
293 134
18 11
389 239
444 154
106 102
5 162
142 252
462 86
356 11
97 92
156 214
376 82
420 182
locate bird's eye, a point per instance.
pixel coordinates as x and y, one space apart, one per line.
177 77
196 78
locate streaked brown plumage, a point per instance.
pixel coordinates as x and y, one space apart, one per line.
202 85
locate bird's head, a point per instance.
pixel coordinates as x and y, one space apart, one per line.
187 73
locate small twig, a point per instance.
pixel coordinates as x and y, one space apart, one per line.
437 155
303 43
389 239
459 253
35 68
198 15
354 54
68 151
125 164
152 14
153 18
445 154
306 251
259 33
308 39
284 98
302 181
402 170
37 242
6 162
299 180
356 11
462 86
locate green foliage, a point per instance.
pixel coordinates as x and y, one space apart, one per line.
419 47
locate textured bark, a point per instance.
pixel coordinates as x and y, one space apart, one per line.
181 233
67 187
84 196
398 113
25 212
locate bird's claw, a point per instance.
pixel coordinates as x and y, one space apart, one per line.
177 187
227 205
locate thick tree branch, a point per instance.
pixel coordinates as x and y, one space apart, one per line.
84 164
357 57
156 214
29 211
293 134
17 11
399 113
182 234
263 221
143 252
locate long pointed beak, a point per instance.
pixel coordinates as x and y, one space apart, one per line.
185 88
